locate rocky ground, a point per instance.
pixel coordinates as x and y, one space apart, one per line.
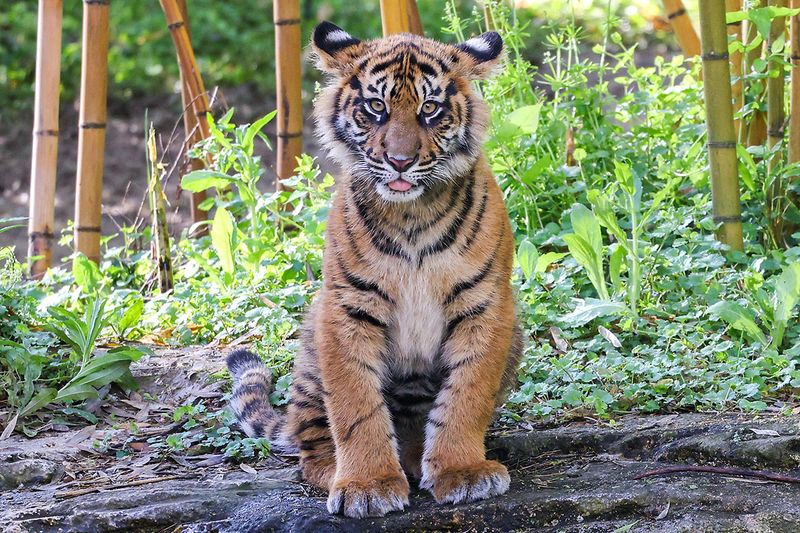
581 476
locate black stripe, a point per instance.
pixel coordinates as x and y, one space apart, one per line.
308 445
472 282
361 284
360 420
472 312
477 222
318 422
251 388
450 235
410 400
379 239
462 362
361 315
299 388
305 404
257 405
435 422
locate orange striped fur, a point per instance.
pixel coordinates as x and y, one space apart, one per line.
413 339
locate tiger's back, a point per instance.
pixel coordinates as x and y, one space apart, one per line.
413 337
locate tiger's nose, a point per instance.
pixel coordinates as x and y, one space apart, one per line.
400 162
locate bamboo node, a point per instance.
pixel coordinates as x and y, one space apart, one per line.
676 14
726 219
96 2
714 56
721 144
776 133
88 229
50 133
175 25
93 125
202 113
287 135
287 22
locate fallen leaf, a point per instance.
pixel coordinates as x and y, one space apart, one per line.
663 514
249 469
610 337
765 432
10 427
558 341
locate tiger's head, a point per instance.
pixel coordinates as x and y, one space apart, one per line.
400 114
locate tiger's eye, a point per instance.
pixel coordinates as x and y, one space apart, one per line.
377 106
429 108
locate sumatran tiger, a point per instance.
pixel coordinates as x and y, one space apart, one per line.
413 339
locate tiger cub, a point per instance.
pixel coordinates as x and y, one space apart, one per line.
413 338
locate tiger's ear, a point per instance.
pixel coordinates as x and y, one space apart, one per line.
336 49
481 55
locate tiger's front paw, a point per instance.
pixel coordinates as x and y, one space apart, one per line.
357 498
468 483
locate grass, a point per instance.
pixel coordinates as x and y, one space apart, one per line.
629 302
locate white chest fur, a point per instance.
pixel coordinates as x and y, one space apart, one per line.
418 325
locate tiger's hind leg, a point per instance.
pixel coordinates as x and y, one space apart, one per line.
308 420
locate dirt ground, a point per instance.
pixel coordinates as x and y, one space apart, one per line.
583 476
125 166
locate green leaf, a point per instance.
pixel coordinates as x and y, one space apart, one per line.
42 398
131 315
86 274
526 118
527 255
738 318
200 180
624 177
588 310
254 128
787 292
617 255
222 235
547 259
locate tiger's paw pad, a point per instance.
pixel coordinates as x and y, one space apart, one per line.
468 484
358 498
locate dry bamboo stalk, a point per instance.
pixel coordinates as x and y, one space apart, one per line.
45 136
192 130
794 115
414 22
287 68
186 61
719 119
775 119
682 26
735 30
92 133
158 210
394 16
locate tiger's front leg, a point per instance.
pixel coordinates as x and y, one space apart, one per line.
475 351
369 480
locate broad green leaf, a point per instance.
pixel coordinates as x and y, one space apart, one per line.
547 259
131 315
42 398
86 274
624 177
738 318
200 180
617 255
603 210
75 393
588 310
527 255
585 224
787 292
254 128
526 118
222 232
588 259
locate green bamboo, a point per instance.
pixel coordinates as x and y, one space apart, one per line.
775 119
754 131
719 120
158 210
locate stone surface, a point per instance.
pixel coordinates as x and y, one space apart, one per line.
578 477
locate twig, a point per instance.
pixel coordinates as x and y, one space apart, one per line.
741 472
138 482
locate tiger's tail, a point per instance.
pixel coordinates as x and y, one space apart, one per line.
252 382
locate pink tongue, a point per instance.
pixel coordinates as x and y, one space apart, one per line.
399 185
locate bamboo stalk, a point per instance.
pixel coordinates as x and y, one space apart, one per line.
754 132
158 211
45 137
735 30
394 17
192 131
414 22
92 133
775 119
719 119
683 28
290 106
794 115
